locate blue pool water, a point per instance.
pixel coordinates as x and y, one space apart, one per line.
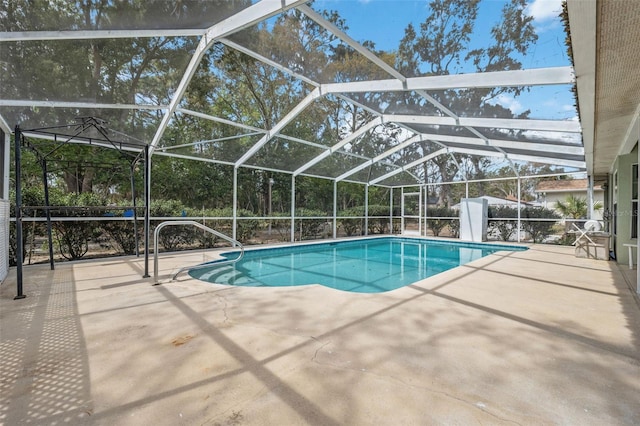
372 265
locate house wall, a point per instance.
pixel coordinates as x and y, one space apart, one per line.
623 216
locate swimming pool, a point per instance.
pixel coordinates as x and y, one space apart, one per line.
371 265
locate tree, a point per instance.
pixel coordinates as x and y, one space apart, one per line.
575 207
442 46
127 71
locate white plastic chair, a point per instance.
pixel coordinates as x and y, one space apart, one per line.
589 226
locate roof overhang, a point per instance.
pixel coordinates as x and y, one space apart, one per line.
604 40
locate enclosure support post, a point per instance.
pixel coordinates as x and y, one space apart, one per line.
271 182
391 211
466 189
519 210
590 196
402 210
426 206
135 213
18 170
366 209
235 203
147 209
293 209
420 212
6 164
335 209
47 212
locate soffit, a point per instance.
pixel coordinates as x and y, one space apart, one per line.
617 82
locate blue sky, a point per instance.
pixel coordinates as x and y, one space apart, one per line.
384 22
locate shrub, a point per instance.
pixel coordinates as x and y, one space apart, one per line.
171 237
282 227
352 227
454 227
247 228
30 197
310 228
503 228
202 238
538 229
224 226
121 233
436 221
378 225
73 237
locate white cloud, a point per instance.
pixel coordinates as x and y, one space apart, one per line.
508 102
544 10
573 138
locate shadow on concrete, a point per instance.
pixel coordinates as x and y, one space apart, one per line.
43 359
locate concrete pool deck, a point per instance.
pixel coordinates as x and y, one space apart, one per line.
534 337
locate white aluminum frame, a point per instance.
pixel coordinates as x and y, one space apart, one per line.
549 153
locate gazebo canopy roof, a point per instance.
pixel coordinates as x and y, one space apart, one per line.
346 110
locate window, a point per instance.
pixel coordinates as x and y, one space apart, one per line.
634 201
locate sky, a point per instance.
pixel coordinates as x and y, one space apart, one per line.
384 22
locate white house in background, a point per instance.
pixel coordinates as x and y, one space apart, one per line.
550 191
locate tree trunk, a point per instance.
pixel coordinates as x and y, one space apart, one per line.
71 181
87 180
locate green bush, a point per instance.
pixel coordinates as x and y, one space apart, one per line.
378 225
121 234
538 230
352 227
224 226
202 238
184 236
171 237
436 219
310 228
247 228
454 227
30 197
73 236
505 229
281 226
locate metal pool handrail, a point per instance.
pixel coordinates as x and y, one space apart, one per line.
198 225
